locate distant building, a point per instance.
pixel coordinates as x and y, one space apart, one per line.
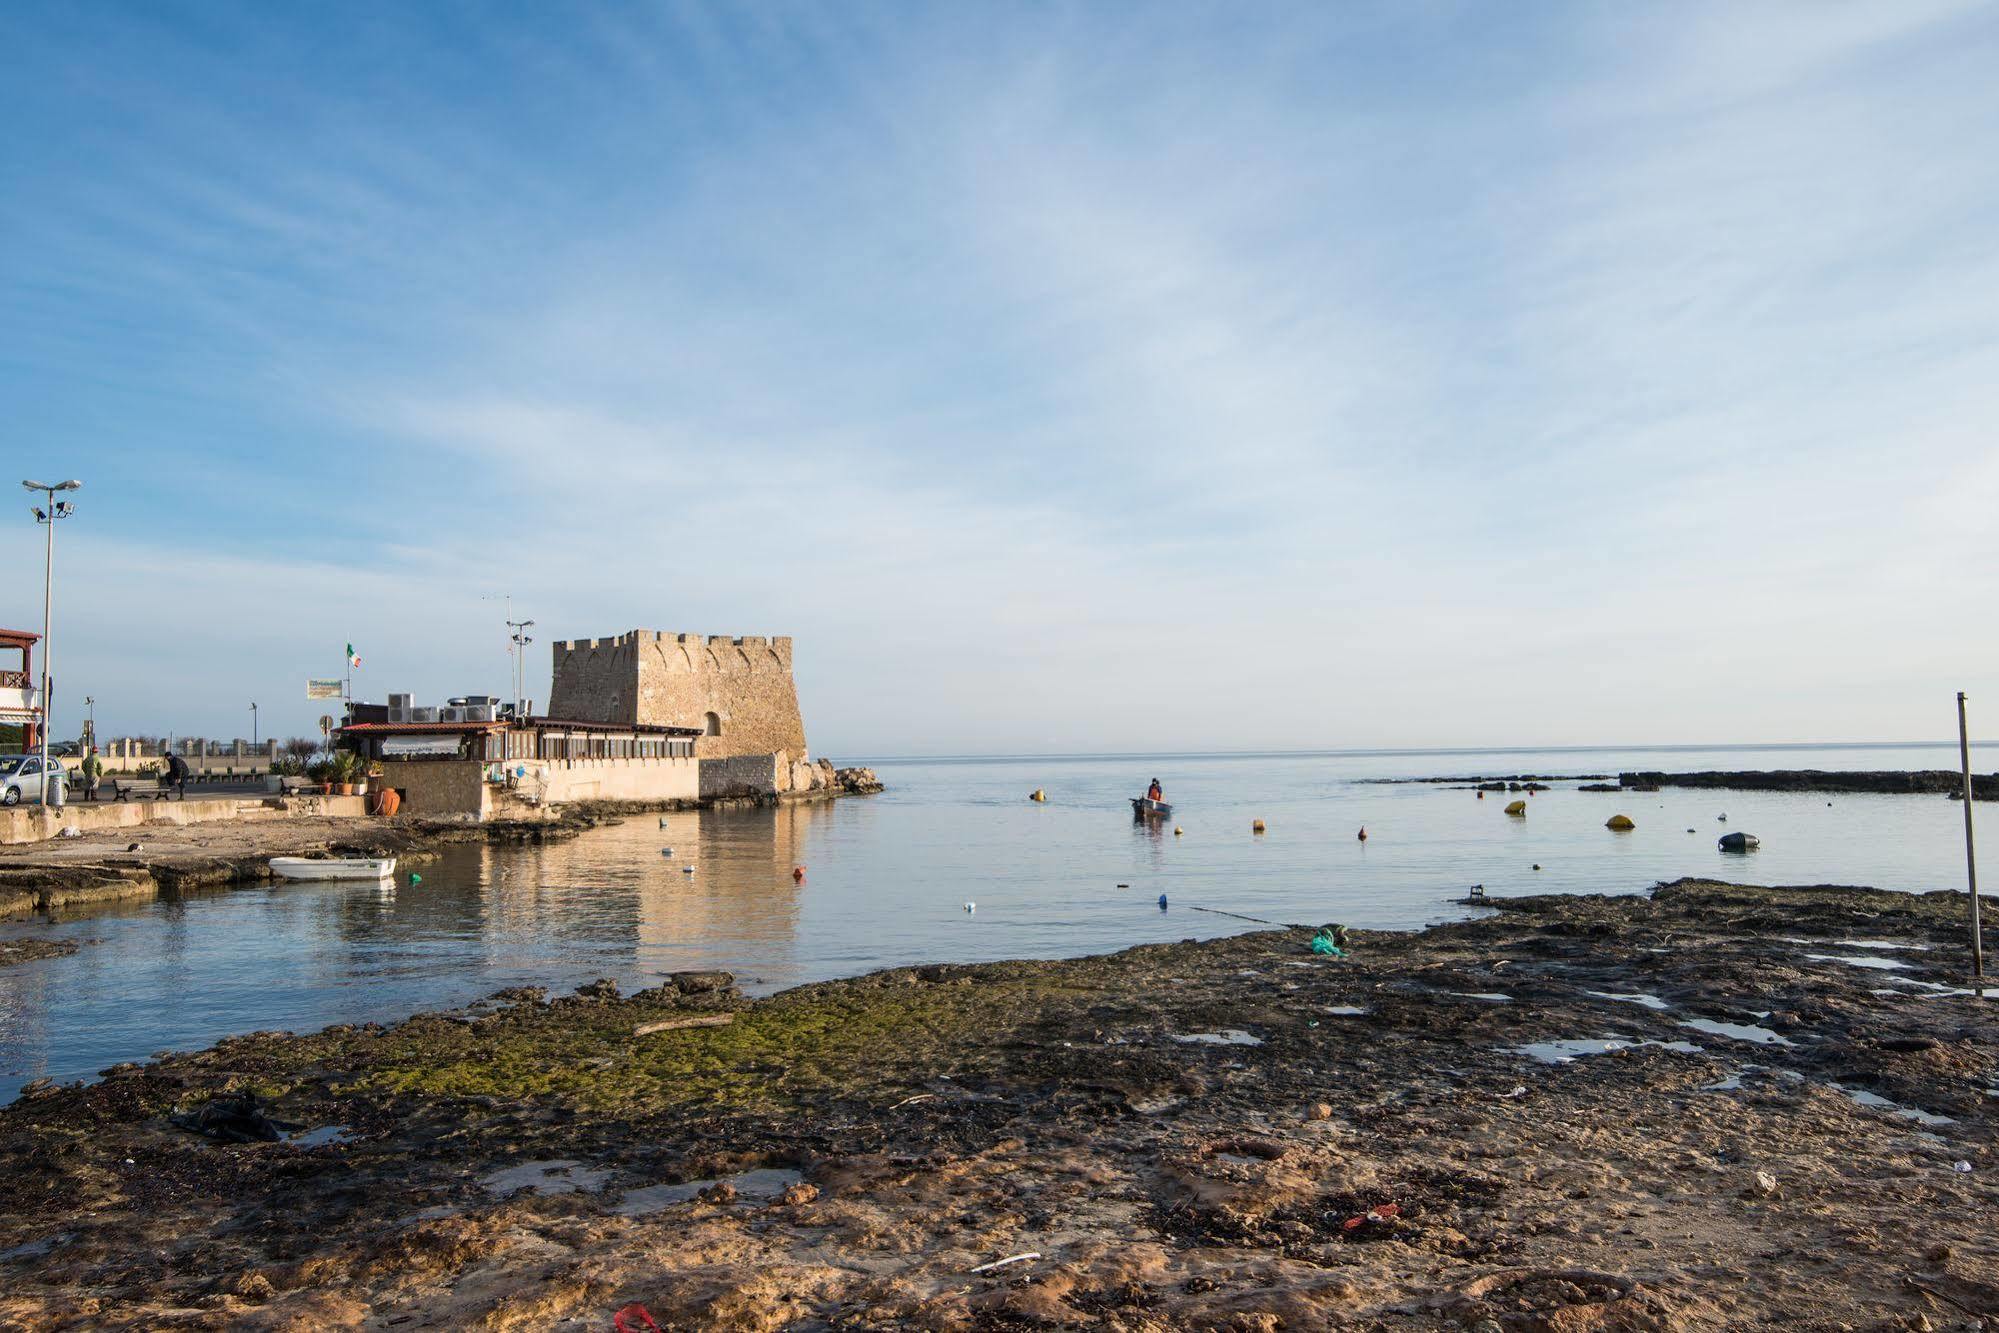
20 705
645 716
737 692
481 761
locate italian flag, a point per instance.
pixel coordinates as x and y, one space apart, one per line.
353 658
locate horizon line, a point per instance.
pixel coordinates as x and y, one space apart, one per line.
1384 751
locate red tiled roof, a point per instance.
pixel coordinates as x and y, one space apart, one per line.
20 635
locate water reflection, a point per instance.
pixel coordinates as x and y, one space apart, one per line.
887 879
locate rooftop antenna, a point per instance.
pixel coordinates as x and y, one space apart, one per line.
520 640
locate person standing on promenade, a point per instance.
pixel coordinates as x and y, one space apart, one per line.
177 773
93 770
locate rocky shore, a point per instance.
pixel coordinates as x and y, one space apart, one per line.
1918 782
1707 1107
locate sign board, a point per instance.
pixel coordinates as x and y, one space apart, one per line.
322 689
411 745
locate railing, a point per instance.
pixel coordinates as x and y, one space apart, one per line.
16 680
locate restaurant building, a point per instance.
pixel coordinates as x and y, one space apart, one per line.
20 705
478 760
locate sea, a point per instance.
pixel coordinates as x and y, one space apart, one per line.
952 863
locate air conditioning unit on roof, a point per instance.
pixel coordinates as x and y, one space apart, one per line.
423 714
399 708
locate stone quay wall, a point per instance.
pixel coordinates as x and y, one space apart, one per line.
738 690
464 789
34 823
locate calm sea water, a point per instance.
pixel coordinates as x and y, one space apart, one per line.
888 878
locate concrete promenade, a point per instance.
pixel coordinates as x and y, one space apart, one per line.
33 823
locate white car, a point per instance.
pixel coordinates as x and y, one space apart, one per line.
21 780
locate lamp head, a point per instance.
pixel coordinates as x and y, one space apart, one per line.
36 486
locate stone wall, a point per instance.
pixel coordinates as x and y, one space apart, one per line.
33 823
738 689
437 788
675 779
459 789
743 775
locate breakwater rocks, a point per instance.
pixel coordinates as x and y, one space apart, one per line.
1510 782
1918 782
1708 1107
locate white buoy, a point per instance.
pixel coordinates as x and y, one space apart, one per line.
687 870
666 851
662 821
971 907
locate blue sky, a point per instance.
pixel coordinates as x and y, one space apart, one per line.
1061 377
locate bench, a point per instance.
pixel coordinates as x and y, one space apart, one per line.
292 786
143 788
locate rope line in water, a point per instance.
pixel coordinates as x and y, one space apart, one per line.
1288 925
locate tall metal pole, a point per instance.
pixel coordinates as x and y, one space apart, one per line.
520 640
57 510
1970 860
48 644
253 723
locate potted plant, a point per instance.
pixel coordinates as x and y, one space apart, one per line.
284 766
320 770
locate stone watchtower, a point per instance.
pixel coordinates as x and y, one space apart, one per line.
739 692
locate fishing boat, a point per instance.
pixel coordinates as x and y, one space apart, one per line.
334 867
1144 807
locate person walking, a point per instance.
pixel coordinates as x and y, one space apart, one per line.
93 772
177 773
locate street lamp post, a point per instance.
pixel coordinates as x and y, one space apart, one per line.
253 724
521 641
57 509
90 719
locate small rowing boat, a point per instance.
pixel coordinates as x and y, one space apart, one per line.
1143 807
333 867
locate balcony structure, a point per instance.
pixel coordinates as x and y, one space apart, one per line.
20 701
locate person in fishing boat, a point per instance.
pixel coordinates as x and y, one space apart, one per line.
1155 792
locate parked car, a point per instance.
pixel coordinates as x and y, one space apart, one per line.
21 779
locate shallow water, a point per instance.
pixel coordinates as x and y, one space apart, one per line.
1748 1032
1569 1050
888 878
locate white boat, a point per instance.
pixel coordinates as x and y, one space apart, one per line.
341 867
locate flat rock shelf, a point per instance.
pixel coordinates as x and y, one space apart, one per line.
1384 1147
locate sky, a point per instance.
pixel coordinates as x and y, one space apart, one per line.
1062 377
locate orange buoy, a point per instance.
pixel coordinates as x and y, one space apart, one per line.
798 874
1363 833
387 800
